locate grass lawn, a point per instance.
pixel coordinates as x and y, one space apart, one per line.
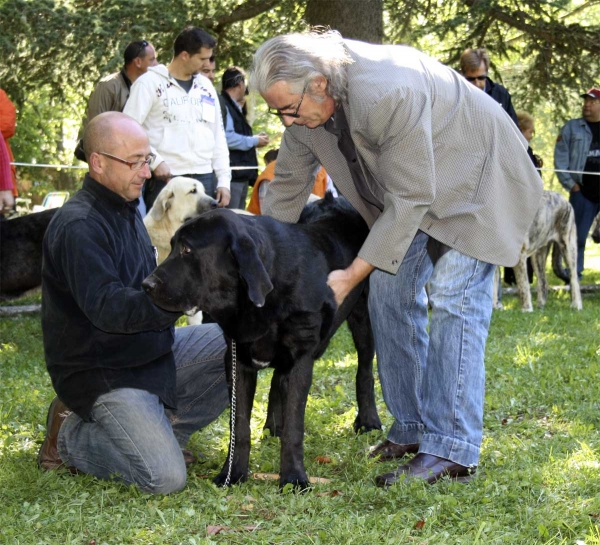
538 481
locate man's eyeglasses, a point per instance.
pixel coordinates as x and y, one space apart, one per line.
480 78
293 115
133 165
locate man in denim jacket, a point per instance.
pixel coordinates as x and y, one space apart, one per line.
578 149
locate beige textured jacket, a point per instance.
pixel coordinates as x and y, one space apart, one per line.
438 155
109 95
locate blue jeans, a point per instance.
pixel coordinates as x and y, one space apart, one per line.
133 438
209 181
585 212
433 384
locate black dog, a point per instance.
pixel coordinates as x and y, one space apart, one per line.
21 252
265 283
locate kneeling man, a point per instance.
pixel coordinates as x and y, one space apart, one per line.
131 389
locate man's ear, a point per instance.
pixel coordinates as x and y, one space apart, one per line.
95 162
319 85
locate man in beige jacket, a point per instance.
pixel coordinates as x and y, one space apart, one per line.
441 174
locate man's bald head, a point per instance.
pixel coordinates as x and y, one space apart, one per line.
108 131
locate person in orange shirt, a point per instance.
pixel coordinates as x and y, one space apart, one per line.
8 123
322 183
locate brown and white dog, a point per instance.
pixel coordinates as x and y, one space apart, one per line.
182 199
553 223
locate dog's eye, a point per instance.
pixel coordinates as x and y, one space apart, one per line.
185 250
194 190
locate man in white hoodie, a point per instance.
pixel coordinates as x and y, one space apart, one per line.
179 108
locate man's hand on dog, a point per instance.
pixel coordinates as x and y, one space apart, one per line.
343 281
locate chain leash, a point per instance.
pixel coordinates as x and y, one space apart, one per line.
233 408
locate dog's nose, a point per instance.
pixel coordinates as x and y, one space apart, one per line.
214 205
149 284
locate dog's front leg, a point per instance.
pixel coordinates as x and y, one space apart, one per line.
245 386
523 283
362 335
292 437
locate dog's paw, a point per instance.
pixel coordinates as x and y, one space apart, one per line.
237 477
298 481
365 425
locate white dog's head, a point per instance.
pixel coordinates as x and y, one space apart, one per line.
180 200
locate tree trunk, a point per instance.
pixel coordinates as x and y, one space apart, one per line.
355 19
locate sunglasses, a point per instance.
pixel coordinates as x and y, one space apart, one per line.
143 45
293 115
480 78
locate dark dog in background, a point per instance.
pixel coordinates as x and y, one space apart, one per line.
265 283
21 252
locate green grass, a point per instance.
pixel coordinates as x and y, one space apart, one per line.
538 481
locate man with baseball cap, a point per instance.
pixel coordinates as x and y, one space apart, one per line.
578 149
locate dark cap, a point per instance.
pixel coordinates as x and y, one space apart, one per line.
135 50
594 92
232 77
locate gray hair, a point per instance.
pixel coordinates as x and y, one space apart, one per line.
298 58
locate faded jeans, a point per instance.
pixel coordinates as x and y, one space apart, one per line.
585 212
433 384
133 438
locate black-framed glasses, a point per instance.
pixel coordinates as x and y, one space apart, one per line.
480 78
133 165
293 115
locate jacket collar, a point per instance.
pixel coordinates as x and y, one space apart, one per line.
108 197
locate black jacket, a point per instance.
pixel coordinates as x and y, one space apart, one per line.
101 331
501 95
239 158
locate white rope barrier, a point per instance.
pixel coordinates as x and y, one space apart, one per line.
43 165
80 167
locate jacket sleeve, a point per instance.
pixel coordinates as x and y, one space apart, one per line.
235 140
220 160
561 157
5 172
138 106
8 116
399 126
295 171
87 259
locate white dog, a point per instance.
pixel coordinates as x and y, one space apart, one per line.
180 200
553 223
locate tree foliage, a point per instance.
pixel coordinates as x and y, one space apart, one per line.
53 51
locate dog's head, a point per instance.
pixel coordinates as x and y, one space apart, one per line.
181 200
212 257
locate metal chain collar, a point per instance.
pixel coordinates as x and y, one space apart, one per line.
233 407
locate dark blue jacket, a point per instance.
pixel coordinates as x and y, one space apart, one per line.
501 95
101 331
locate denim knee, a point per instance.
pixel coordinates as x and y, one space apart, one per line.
164 480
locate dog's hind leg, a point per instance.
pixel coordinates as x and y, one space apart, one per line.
539 266
245 386
362 335
568 246
274 422
523 283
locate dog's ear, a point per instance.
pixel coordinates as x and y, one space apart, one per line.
252 269
161 205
